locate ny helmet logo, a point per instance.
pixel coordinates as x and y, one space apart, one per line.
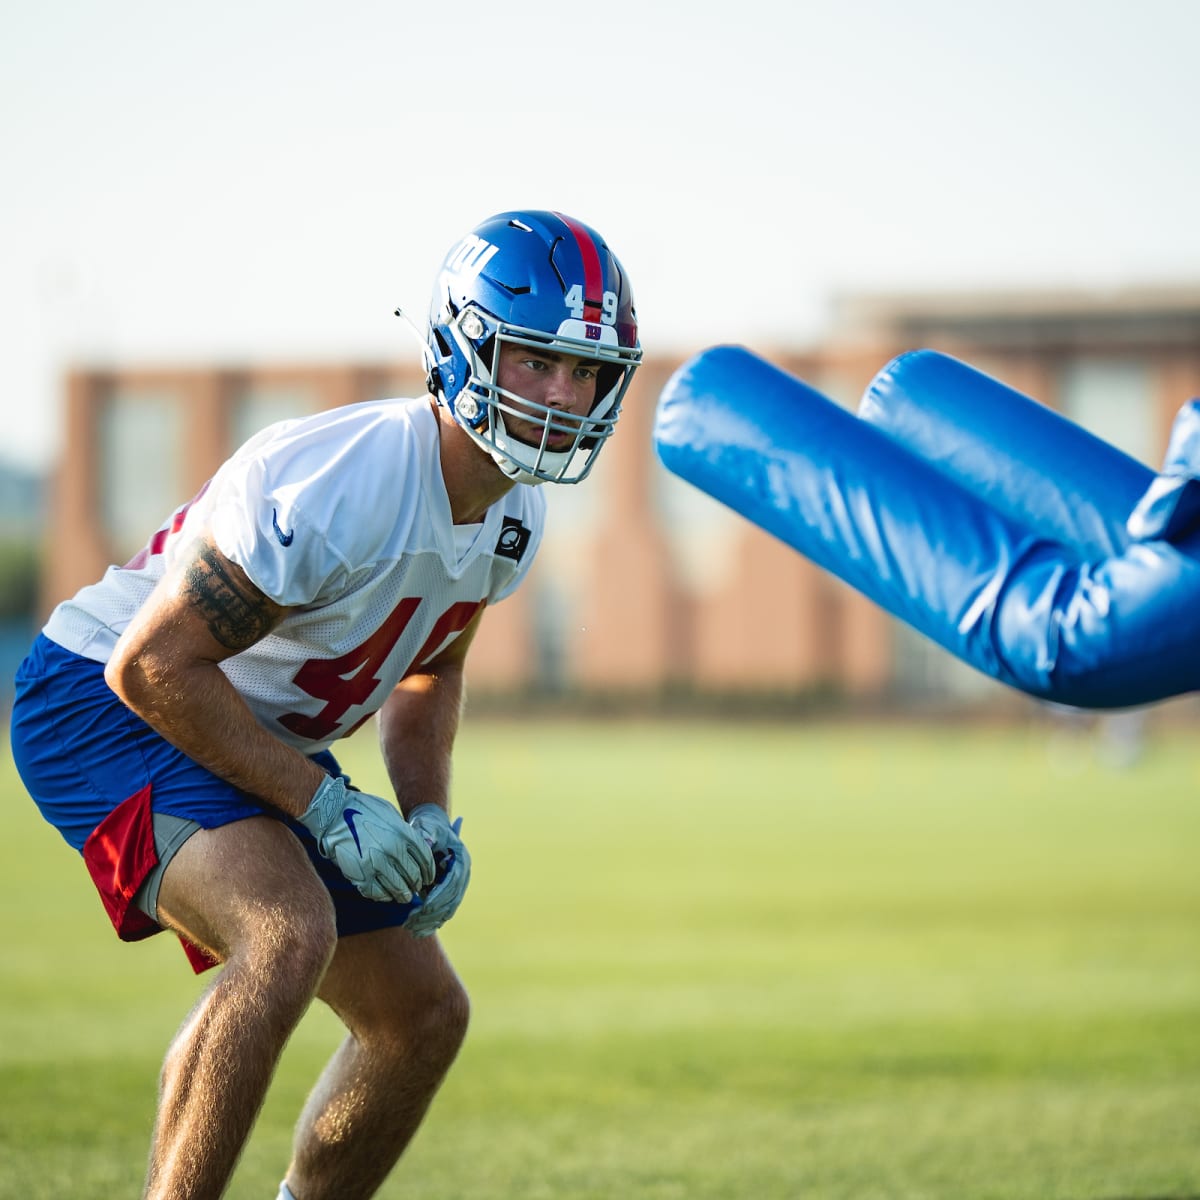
471 255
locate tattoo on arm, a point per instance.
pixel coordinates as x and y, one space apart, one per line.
236 612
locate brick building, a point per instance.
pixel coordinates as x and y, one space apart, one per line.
646 588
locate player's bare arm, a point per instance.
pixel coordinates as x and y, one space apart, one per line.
417 728
418 724
166 668
236 612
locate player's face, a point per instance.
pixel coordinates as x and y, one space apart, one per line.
561 382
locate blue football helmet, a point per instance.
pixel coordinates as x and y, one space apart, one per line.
546 281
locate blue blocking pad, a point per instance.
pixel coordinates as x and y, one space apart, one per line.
1024 570
1170 508
1028 461
1015 454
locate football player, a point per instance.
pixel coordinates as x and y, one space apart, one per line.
174 719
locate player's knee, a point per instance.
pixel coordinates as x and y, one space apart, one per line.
293 942
450 1014
445 1023
433 1023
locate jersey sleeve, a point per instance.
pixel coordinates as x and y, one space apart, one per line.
261 521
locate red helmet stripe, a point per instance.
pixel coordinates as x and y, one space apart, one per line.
593 275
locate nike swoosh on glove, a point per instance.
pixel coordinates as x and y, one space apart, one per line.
368 840
441 902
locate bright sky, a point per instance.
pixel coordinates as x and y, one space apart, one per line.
267 179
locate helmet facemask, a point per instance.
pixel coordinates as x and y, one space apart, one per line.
481 405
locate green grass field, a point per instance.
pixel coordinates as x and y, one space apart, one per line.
715 962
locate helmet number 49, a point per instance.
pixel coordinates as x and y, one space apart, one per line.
608 307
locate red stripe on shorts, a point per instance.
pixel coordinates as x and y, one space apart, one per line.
119 854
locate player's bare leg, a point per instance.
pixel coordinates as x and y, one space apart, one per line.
248 893
407 1015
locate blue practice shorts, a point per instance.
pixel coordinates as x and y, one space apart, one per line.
126 799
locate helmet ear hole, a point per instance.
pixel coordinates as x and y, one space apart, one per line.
607 378
487 352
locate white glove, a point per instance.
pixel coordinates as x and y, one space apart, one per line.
441 902
368 840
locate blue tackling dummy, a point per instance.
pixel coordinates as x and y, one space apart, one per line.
1030 549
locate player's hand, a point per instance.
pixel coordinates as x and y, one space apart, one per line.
368 840
441 902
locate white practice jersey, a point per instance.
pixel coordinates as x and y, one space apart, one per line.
344 519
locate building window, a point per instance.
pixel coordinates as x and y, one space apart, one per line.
703 535
1113 399
141 437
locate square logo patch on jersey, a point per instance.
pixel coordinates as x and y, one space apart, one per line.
514 537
